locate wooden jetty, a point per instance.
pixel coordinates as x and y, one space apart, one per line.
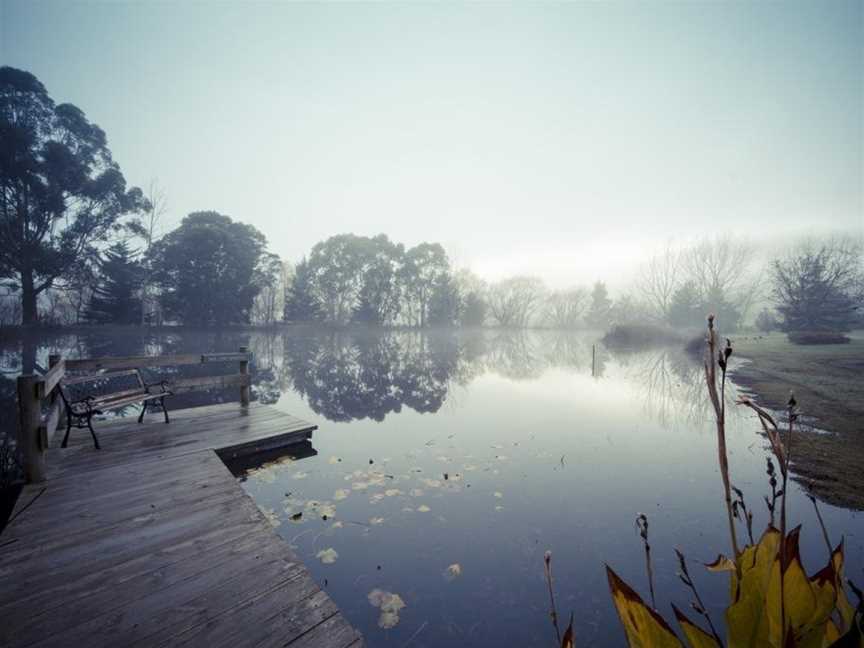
151 541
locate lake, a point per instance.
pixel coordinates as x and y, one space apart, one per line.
446 464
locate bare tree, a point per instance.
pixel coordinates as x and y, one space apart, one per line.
566 308
725 273
658 280
152 223
514 301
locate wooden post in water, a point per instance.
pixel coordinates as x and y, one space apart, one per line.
30 392
244 371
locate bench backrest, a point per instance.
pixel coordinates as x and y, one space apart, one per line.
112 384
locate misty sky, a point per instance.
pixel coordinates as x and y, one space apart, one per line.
565 140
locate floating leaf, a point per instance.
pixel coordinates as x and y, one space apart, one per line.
327 556
453 572
423 508
389 604
271 516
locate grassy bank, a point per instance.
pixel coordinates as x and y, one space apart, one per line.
828 381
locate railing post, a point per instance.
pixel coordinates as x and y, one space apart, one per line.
30 395
244 371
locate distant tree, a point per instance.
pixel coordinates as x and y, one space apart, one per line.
513 302
472 298
268 306
300 302
474 310
157 207
766 321
722 271
206 269
627 310
600 310
445 305
60 191
686 308
336 276
116 295
380 261
659 279
819 287
565 309
423 272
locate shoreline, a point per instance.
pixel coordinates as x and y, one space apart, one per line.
826 379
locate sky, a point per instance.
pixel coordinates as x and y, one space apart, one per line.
565 140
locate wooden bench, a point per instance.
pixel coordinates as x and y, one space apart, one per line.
86 396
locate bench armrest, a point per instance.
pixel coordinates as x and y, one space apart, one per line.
87 401
163 387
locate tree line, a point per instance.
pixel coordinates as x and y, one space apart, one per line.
77 245
815 285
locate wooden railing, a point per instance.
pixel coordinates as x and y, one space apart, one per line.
38 393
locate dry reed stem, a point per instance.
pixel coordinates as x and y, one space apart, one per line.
547 568
642 525
698 606
719 410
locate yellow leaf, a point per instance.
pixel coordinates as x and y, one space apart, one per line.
846 609
747 620
643 626
696 636
832 634
721 564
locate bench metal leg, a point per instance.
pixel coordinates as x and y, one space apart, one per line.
143 409
164 409
93 434
68 430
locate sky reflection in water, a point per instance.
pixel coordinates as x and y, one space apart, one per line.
447 464
447 489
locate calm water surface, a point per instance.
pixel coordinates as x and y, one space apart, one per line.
445 465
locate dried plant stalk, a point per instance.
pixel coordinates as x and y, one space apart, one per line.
720 413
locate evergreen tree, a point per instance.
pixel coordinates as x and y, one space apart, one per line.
115 298
599 313
819 288
686 308
300 302
445 304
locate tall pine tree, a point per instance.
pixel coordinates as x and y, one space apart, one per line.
116 298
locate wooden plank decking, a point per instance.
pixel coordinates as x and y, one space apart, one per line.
151 541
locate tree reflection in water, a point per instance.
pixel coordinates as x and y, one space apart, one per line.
365 374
